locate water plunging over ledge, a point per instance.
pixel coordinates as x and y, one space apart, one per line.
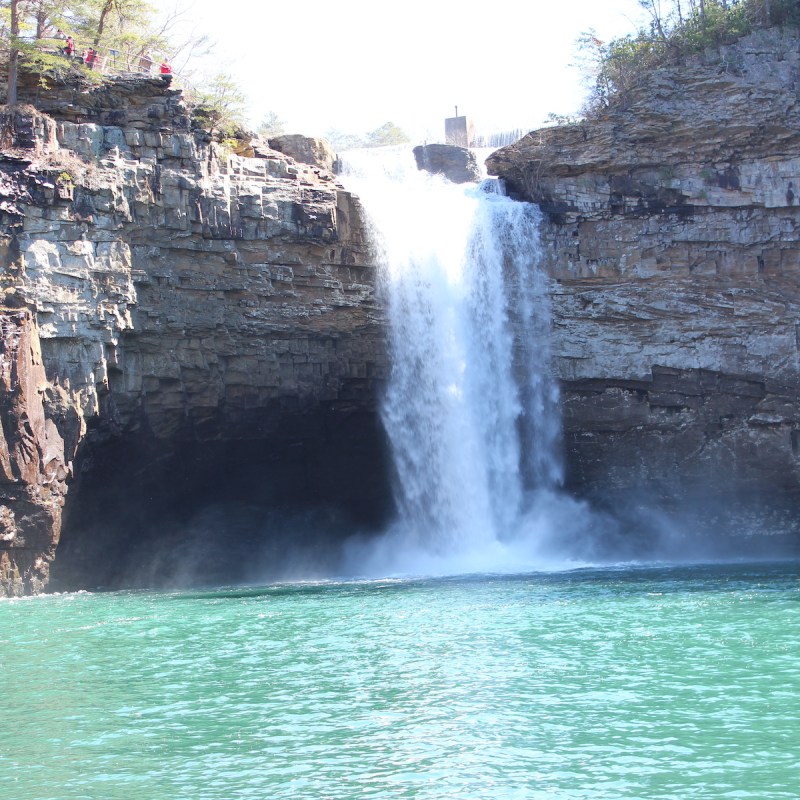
472 416
471 409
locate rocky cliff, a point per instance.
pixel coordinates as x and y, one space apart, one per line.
170 315
191 342
672 233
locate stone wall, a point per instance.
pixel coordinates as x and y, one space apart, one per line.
671 233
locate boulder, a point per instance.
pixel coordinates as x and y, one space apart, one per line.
305 149
457 164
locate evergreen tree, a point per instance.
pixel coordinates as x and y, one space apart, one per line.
220 105
387 134
271 125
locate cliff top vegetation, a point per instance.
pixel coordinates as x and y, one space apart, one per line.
84 42
677 30
88 41
54 37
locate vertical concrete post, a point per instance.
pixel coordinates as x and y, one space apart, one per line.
459 131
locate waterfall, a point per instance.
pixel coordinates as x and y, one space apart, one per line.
471 409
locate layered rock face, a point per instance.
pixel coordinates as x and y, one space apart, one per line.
306 150
191 342
35 458
161 298
671 232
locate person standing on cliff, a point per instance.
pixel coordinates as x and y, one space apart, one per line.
146 63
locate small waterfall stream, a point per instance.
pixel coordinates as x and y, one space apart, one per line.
471 409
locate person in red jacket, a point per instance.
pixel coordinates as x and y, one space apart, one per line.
166 68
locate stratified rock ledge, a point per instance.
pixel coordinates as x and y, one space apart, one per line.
671 233
162 297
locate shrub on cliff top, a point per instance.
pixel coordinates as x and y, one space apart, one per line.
677 29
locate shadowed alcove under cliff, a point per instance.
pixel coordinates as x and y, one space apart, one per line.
150 513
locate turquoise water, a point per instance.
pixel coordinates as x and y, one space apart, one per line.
650 683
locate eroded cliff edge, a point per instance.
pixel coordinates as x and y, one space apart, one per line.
174 321
672 232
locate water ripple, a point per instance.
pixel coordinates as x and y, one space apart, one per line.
665 685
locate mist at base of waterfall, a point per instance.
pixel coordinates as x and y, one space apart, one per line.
472 406
557 532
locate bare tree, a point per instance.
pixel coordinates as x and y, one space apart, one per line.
185 44
653 7
16 8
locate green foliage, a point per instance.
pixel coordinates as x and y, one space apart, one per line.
386 134
127 37
122 29
340 140
125 34
44 59
560 119
678 29
46 17
220 106
271 125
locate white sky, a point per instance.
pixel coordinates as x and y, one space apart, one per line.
354 64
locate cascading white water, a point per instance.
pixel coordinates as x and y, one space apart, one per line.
471 411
